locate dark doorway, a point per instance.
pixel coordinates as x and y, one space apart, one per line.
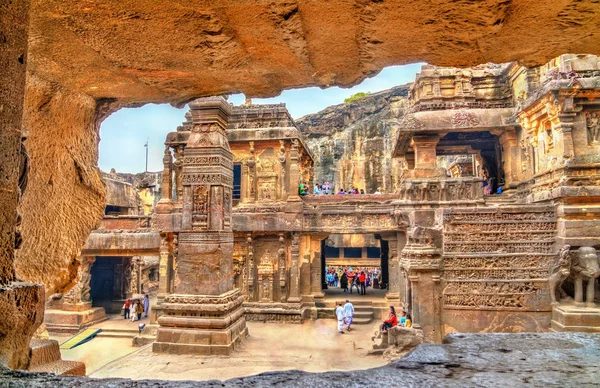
107 282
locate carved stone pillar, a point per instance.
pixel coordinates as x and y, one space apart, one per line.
422 261
251 164
167 176
282 160
178 167
564 132
425 164
510 157
250 267
294 171
295 270
393 294
282 264
164 269
204 315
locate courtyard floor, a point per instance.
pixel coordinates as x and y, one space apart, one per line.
314 346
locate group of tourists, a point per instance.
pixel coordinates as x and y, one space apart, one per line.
348 278
133 309
344 313
325 189
393 321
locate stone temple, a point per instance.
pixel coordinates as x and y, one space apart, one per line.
236 242
222 235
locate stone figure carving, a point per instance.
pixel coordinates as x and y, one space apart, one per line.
463 119
559 274
584 266
266 294
592 121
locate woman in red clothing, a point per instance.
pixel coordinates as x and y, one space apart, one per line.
390 322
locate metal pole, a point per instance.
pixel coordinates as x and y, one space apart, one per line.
146 145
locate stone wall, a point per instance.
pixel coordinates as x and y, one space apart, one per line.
352 143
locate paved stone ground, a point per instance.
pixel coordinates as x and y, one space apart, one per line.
464 360
314 346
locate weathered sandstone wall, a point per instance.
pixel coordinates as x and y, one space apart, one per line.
65 197
352 143
21 304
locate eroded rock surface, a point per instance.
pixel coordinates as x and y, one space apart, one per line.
490 360
171 51
352 143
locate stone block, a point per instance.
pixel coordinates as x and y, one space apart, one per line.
64 321
575 319
21 312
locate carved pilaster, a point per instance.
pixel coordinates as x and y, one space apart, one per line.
251 164
294 171
294 269
250 291
167 176
178 167
164 269
282 160
282 265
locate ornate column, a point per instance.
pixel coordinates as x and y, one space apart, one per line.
167 176
164 267
282 159
295 270
251 164
204 315
294 171
422 261
250 292
510 156
282 265
178 167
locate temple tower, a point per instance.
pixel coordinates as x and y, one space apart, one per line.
204 314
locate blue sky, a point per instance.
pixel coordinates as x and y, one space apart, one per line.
125 132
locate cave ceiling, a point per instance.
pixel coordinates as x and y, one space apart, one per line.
140 51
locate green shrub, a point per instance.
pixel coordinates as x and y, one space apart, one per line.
356 96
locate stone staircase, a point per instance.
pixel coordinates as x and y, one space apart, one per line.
363 311
496 200
45 357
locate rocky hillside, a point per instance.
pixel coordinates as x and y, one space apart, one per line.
352 143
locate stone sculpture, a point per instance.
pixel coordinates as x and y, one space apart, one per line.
585 266
559 274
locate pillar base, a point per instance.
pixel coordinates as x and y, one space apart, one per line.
201 324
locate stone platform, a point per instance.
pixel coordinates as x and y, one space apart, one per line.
74 319
575 318
463 360
46 357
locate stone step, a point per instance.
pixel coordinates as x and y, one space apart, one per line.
362 321
363 314
43 351
118 334
61 368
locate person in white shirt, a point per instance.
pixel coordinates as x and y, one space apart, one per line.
348 313
339 314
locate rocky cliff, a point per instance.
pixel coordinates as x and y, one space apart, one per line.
352 143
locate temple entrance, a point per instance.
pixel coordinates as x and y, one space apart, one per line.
107 284
353 254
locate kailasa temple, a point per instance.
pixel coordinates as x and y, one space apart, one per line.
481 202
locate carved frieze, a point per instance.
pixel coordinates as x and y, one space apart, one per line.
464 119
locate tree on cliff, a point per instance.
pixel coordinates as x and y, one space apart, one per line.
356 96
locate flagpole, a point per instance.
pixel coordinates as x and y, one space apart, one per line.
146 145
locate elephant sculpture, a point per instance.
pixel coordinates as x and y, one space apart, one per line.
580 265
584 266
559 274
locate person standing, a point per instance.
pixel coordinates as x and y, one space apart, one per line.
339 314
336 279
344 282
146 305
126 306
139 310
362 280
348 314
133 310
